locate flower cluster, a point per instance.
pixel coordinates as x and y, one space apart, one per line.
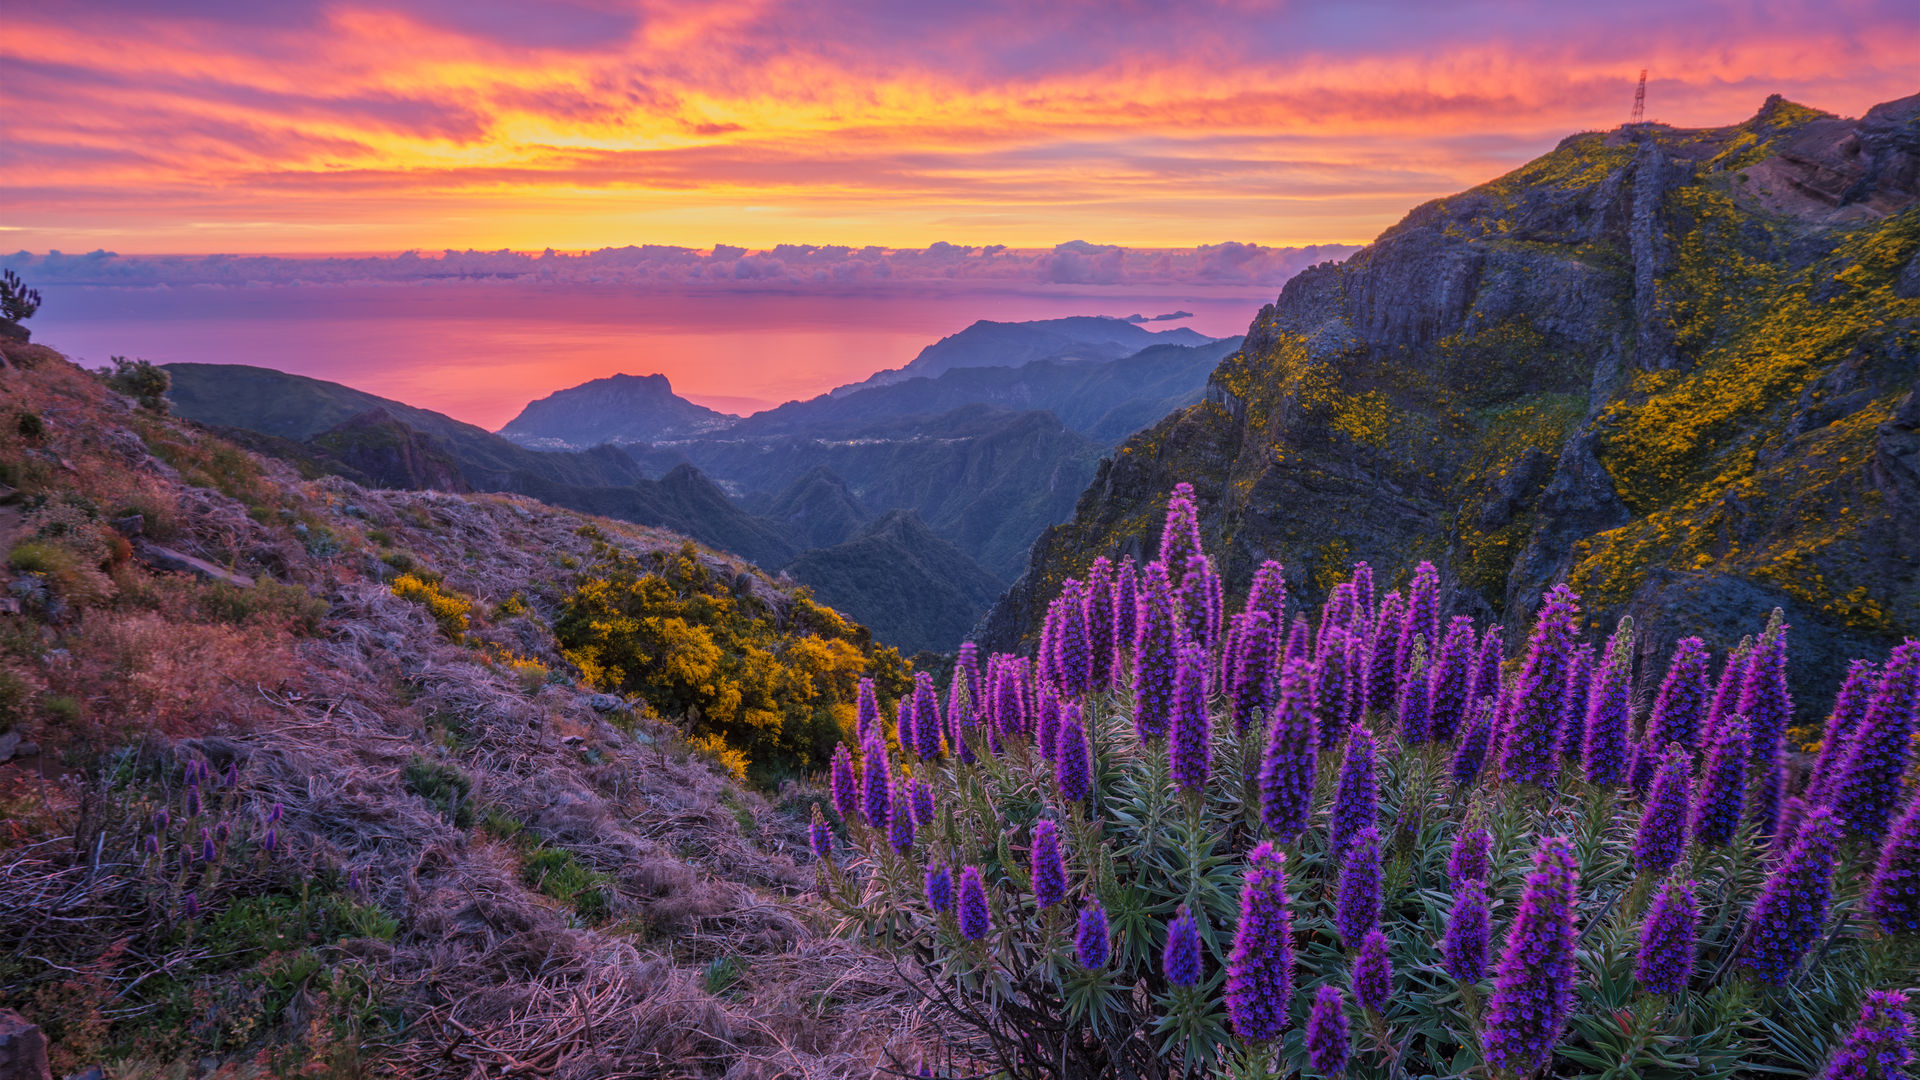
1665 962
1260 967
1157 752
1879 1046
1792 907
1533 987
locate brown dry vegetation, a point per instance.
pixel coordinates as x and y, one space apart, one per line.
487 875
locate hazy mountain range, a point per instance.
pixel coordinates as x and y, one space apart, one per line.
909 501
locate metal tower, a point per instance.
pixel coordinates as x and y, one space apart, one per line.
1640 99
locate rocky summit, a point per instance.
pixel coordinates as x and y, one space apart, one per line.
1674 368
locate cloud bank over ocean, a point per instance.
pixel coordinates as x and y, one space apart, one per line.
786 266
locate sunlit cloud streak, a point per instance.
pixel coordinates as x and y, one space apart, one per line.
315 125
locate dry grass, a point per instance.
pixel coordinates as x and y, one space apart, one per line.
493 977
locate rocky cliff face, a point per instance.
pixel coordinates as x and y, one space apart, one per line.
1676 368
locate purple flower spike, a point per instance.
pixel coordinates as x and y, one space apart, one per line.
164 820
1471 858
926 718
867 712
272 839
1450 680
1383 648
1126 611
1073 759
1156 637
1373 973
152 843
1414 706
1868 785
233 775
1362 885
1679 710
1579 695
1723 785
1471 754
1663 825
1287 768
1530 744
940 889
193 802
1463 948
1356 801
900 819
207 851
1190 749
974 917
1880 1046
1049 868
1250 686
1893 896
1328 1040
1786 919
819 836
275 813
1072 649
1046 721
1666 940
1849 705
1533 986
1609 717
1726 693
1090 945
1099 616
1332 687
1260 966
1422 620
879 784
190 905
1335 614
1181 960
1180 537
1300 641
841 783
1199 600
920 796
1764 698
1362 581
1268 593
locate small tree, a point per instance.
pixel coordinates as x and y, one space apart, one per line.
139 380
17 302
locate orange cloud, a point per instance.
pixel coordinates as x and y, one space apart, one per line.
320 126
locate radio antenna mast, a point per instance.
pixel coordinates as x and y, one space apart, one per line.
1640 99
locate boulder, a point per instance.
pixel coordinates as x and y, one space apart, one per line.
23 1049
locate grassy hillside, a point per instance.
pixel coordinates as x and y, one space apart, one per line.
447 830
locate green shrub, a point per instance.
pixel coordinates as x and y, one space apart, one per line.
557 873
445 786
141 381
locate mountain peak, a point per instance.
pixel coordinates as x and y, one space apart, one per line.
617 408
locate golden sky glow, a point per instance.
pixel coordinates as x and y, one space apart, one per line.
314 126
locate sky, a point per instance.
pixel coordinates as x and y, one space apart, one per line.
380 126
